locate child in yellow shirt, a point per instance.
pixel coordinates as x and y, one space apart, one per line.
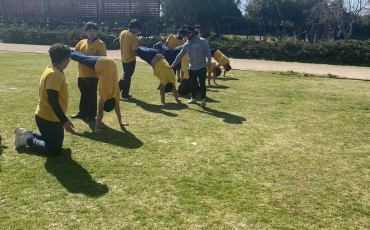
87 78
51 109
109 91
215 71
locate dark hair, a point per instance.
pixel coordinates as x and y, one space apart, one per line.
227 67
169 87
135 24
58 52
91 25
217 71
198 26
190 29
109 104
182 31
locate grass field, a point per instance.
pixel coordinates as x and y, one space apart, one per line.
270 151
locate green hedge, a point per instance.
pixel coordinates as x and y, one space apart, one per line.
42 36
342 52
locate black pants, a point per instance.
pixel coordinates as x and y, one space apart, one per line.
194 75
88 87
125 82
184 87
49 140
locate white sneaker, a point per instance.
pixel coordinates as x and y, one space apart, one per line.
19 131
203 103
21 140
192 101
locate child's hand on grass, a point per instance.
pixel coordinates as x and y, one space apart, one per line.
98 130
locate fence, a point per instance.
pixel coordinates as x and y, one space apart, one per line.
97 9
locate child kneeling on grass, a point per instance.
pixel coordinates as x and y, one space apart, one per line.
51 109
109 91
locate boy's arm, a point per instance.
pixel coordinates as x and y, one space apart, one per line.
99 118
116 41
179 57
53 98
174 92
134 46
103 50
208 76
78 46
214 78
207 51
162 92
118 113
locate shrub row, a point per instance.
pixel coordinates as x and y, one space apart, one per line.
42 36
342 52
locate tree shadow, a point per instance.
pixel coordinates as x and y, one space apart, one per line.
159 108
123 139
227 117
70 174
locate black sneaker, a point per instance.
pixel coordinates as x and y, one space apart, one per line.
127 96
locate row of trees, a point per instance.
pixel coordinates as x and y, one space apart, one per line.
279 16
207 13
300 14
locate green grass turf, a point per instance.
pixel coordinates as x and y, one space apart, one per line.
270 151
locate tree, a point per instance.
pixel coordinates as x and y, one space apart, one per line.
342 14
280 14
207 13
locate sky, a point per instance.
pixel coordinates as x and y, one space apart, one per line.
242 5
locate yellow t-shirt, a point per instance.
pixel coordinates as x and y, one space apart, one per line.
96 48
173 42
163 73
220 58
54 79
128 42
106 69
213 66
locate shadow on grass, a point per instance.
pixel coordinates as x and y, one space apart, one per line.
71 174
227 117
1 151
227 79
159 108
217 87
346 78
123 139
